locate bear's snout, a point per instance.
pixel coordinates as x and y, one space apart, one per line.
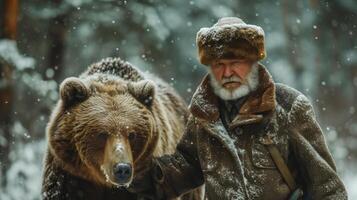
122 173
118 162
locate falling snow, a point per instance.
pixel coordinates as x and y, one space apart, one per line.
310 46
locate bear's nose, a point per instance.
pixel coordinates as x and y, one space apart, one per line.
122 172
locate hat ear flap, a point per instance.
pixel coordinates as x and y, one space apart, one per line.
143 91
73 91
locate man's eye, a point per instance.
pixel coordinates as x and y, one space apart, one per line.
219 65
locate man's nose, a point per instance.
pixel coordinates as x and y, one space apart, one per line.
227 71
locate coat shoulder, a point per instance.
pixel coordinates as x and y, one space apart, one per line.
297 106
289 98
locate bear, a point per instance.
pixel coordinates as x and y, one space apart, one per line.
105 129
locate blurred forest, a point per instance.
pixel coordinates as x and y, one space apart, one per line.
311 45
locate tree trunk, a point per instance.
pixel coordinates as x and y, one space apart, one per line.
290 10
7 91
57 35
10 18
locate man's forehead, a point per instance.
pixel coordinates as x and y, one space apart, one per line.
229 60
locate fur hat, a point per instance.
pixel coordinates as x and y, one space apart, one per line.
230 37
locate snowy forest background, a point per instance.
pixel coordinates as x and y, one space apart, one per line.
311 45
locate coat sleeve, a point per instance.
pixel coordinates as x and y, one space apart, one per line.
315 163
180 172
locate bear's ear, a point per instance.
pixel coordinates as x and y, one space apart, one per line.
143 91
72 91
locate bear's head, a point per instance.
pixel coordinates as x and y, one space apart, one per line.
101 128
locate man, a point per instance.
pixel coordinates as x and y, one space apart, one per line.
247 137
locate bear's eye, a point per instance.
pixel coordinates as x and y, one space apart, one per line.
132 136
102 136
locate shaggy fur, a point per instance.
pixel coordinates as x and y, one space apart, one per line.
109 107
230 37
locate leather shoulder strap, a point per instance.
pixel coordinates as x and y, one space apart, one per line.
280 163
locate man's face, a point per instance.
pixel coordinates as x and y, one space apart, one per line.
231 73
233 78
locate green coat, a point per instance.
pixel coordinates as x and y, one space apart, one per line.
236 166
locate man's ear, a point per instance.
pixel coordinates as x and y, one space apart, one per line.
143 91
73 91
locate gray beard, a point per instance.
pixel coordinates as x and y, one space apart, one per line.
250 85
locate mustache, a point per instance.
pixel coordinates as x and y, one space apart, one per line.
232 79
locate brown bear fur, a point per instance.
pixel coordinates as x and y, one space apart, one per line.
111 106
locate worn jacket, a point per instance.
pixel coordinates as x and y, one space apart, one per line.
239 166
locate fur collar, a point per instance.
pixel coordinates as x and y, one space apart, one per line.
204 103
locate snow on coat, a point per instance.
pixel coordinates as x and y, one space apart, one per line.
239 166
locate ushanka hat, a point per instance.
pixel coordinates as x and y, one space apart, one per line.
230 37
